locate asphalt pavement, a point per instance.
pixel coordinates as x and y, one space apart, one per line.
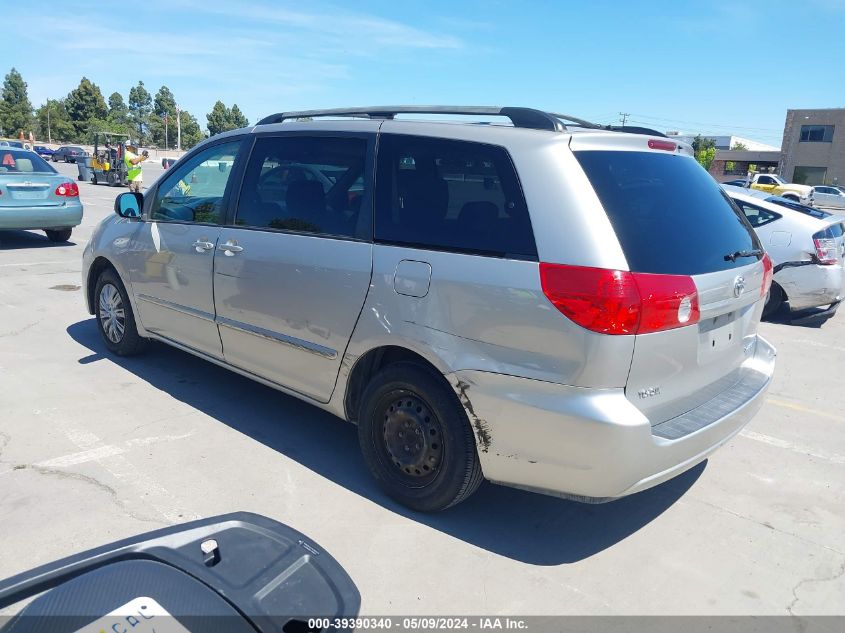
94 448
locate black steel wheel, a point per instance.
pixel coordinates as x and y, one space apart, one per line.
416 438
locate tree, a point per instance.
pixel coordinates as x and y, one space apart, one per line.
165 102
140 107
223 119
218 119
191 132
164 105
739 147
15 107
705 157
53 123
237 118
118 112
700 143
84 103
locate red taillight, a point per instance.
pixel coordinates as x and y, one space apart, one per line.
826 251
767 275
620 302
67 189
653 143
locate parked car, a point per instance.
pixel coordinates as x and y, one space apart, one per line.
34 196
564 309
43 151
68 153
775 185
827 196
12 143
807 248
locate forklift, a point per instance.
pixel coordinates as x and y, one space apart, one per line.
107 164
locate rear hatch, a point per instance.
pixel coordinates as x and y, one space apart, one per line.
26 180
674 222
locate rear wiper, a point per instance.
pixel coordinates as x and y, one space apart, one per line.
732 257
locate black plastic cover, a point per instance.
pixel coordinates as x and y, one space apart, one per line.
262 576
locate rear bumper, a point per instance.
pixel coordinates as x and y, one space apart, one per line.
593 444
811 285
40 217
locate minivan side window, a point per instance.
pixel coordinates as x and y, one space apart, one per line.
450 195
309 184
194 191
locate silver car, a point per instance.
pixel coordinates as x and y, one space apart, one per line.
827 196
546 304
33 195
807 247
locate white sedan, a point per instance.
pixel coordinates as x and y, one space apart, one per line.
807 247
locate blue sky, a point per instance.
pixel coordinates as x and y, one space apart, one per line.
709 66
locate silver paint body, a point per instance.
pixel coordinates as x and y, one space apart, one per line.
827 196
554 407
789 239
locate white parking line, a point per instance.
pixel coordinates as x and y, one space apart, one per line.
795 448
101 452
31 264
111 458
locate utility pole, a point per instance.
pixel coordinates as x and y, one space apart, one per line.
623 117
49 136
178 130
165 133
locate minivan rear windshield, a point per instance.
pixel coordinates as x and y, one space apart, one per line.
669 215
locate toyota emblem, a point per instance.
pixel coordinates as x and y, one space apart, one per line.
739 286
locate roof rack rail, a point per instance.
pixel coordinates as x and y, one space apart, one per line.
520 117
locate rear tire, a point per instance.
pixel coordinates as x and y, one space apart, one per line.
416 438
58 235
774 301
115 319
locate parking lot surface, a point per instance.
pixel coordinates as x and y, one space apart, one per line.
94 448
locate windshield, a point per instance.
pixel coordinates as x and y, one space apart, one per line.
779 180
16 161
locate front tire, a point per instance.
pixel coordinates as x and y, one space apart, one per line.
416 438
58 235
115 319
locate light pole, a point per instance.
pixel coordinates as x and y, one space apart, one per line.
178 130
49 136
165 133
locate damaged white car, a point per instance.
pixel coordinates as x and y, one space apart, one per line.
807 247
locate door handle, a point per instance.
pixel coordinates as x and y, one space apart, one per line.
201 246
230 248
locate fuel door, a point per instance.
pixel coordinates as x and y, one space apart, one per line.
412 278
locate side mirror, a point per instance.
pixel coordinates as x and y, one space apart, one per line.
129 204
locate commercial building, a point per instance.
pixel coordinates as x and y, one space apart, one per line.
727 141
813 149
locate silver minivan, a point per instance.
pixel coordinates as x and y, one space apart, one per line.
546 303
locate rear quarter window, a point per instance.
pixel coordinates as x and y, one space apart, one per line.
450 195
669 215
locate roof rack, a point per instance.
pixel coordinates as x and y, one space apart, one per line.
520 117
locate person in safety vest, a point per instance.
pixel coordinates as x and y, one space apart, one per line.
134 172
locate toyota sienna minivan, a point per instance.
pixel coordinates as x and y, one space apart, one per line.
543 302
